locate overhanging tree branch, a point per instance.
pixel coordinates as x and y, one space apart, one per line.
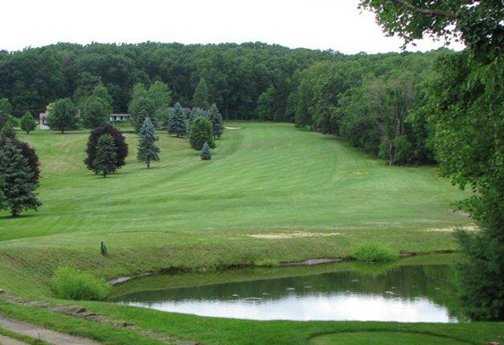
426 11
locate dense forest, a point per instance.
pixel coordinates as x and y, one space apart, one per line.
371 100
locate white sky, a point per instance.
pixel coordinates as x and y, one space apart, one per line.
317 24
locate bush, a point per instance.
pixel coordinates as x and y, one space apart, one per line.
69 283
375 253
201 132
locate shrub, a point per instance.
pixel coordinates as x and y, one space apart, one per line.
201 132
206 155
69 283
375 253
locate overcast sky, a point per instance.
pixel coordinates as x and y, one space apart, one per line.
317 24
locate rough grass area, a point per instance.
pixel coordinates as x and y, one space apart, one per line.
69 283
375 253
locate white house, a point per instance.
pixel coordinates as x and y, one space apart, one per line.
113 118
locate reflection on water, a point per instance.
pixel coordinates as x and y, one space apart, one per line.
405 294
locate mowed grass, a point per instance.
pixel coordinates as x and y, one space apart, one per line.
383 338
186 213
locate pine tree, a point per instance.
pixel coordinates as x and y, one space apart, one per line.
201 133
177 121
8 131
105 162
200 96
28 153
216 119
147 149
28 123
18 186
206 154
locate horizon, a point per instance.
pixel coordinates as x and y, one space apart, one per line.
317 25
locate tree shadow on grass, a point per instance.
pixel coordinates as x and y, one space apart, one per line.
22 216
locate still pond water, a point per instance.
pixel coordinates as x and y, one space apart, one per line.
403 294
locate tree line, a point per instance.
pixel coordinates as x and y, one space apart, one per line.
465 112
236 75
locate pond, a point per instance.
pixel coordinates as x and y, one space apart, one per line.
402 294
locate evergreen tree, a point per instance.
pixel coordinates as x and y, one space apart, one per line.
28 153
147 149
206 154
18 185
201 133
216 119
177 121
192 115
28 123
200 96
8 131
119 144
62 115
140 108
105 162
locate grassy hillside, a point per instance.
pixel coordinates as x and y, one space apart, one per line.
265 179
272 193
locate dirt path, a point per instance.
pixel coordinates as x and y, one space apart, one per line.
36 332
9 341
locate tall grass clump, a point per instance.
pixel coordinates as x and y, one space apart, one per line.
69 283
375 253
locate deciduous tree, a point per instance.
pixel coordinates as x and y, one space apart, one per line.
201 97
62 115
467 113
119 143
28 123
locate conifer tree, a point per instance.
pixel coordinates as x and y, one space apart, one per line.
147 149
28 123
201 133
200 96
206 154
18 186
105 162
177 121
216 119
8 131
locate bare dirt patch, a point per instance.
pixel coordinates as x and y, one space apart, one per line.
290 235
469 228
